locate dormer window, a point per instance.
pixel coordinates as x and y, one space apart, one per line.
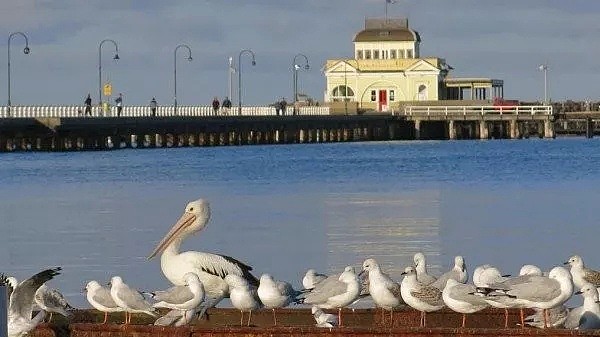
359 55
393 53
367 54
376 54
409 54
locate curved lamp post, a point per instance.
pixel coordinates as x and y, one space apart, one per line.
26 51
116 57
175 70
295 68
544 68
240 76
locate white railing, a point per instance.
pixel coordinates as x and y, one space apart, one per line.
143 111
453 111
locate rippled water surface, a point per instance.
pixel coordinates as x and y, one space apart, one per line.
284 209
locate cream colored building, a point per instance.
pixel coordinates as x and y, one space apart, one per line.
387 70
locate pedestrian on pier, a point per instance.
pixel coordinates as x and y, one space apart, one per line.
283 105
215 105
226 106
88 105
119 102
153 105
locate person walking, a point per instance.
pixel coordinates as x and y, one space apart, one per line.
226 106
119 102
215 105
88 105
153 105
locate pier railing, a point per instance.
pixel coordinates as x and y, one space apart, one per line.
144 111
458 111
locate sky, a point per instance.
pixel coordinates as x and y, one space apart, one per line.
504 39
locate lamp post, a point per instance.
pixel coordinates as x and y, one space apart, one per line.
175 71
295 68
240 76
544 68
116 57
26 51
230 73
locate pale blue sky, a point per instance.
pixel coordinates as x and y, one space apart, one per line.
506 39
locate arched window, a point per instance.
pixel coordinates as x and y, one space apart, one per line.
422 94
342 91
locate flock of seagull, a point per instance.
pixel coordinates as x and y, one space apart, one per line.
201 280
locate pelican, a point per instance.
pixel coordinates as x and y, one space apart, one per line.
210 268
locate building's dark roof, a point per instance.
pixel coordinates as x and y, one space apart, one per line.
386 34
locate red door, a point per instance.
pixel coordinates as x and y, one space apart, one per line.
383 100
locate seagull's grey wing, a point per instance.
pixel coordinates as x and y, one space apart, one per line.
319 278
174 295
464 292
394 288
286 289
429 294
573 317
440 283
331 279
557 317
55 302
425 278
133 298
539 289
102 296
21 301
508 283
592 277
321 295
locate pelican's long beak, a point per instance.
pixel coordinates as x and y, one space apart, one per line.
185 221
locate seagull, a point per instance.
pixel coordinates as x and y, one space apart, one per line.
210 268
419 296
243 296
21 298
51 300
182 298
129 299
275 294
458 273
462 298
590 317
185 317
421 268
335 295
99 297
311 279
537 291
557 318
384 291
324 320
582 275
484 276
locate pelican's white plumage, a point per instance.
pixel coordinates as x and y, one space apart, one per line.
99 297
20 306
210 268
183 298
129 299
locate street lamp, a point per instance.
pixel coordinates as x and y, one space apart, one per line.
230 73
175 70
116 57
26 51
240 76
295 68
544 68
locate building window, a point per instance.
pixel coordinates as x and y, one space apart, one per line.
400 53
375 54
422 93
342 91
409 54
373 95
392 95
359 54
393 53
367 54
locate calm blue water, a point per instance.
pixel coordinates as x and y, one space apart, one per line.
284 209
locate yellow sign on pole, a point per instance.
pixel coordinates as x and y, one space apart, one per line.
107 89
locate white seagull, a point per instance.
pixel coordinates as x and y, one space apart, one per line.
99 297
323 319
243 296
276 294
458 273
182 298
590 317
311 279
462 298
582 275
51 300
419 296
21 299
486 275
421 268
210 268
336 295
384 291
129 299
